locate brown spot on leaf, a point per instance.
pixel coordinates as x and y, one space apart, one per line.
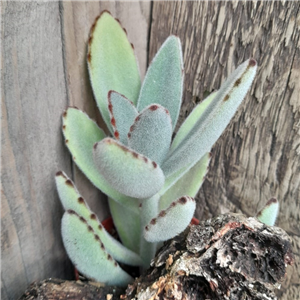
182 200
102 246
167 112
238 82
80 200
90 228
82 219
174 204
110 107
154 164
65 114
116 134
116 264
125 30
95 146
162 213
153 107
64 127
113 122
103 12
66 141
252 62
135 155
118 20
153 221
272 200
140 205
147 228
89 57
137 118
69 182
131 128
129 135
100 227
93 217
226 98
132 46
71 212
90 42
59 173
109 257
145 159
97 237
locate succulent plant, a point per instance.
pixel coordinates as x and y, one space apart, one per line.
149 179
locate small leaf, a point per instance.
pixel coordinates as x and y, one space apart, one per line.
151 133
172 221
269 213
127 224
122 115
111 62
213 121
72 200
163 82
191 120
129 172
88 253
81 133
189 184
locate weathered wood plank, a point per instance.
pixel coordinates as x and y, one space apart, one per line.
258 155
33 95
78 18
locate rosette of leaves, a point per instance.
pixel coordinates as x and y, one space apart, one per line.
150 179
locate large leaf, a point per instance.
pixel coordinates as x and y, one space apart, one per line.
269 213
72 200
111 62
81 133
151 133
127 224
132 174
213 121
189 184
88 253
122 114
172 221
164 79
191 120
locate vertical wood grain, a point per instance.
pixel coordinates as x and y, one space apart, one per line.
258 155
33 96
78 18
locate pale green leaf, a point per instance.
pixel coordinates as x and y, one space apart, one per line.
189 184
132 174
122 114
72 200
88 253
172 221
163 82
127 224
151 133
111 62
213 121
269 213
81 133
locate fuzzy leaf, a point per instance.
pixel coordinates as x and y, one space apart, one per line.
88 253
127 224
213 121
191 120
151 133
269 213
129 172
189 184
122 115
72 200
81 133
172 221
111 62
163 82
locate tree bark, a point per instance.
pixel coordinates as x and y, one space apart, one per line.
227 257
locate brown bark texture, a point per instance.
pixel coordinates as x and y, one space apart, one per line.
227 257
44 71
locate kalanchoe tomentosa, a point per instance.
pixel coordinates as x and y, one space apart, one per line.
150 180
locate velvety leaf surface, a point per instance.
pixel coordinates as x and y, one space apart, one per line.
127 224
213 121
122 115
88 253
191 120
81 133
72 200
151 133
163 82
172 221
269 213
189 184
111 62
129 172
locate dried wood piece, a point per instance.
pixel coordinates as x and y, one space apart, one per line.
228 257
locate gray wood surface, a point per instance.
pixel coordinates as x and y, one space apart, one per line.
258 156
44 71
